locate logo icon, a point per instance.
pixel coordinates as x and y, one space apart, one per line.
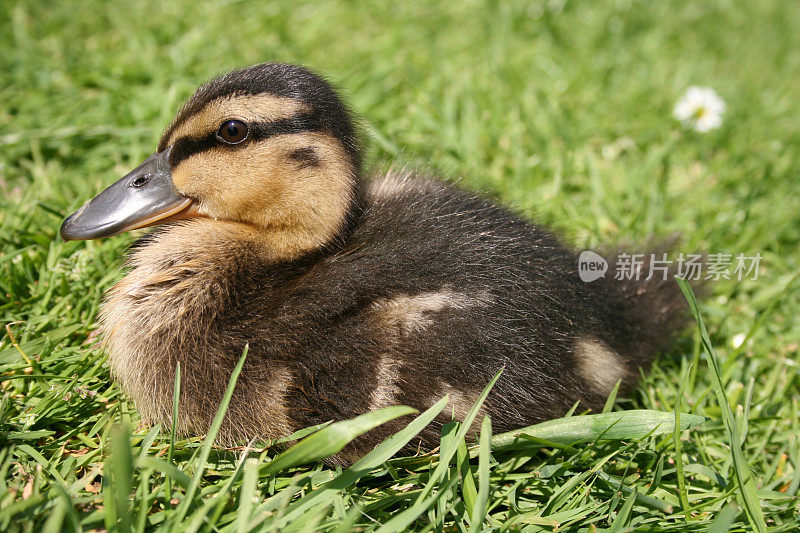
591 266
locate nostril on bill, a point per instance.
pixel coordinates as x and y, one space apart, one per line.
140 181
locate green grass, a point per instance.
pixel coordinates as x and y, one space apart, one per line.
563 111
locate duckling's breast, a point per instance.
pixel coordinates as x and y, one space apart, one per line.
178 305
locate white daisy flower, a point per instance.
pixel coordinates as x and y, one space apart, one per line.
700 108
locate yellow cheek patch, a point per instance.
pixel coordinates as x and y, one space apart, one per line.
205 173
247 108
233 184
296 206
261 169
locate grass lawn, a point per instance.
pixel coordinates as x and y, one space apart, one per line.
562 110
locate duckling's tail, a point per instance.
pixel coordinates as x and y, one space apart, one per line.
652 310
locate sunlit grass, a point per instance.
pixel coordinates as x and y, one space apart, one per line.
561 110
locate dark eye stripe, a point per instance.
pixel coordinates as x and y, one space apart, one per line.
186 147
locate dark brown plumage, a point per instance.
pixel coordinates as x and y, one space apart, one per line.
354 296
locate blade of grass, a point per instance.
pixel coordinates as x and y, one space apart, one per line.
612 397
350 520
633 424
119 469
309 521
300 433
624 514
64 508
148 440
479 508
208 514
422 502
176 394
333 438
676 441
205 449
247 493
55 522
649 501
402 521
724 520
745 482
468 490
142 498
69 506
168 469
221 499
380 454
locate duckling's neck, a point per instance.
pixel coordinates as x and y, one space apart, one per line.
177 269
285 243
271 243
316 229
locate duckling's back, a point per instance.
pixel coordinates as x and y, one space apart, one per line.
436 290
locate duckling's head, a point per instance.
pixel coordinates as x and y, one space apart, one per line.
271 147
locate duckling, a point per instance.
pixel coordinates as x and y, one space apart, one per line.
351 294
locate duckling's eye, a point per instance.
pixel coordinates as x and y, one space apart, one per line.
232 132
